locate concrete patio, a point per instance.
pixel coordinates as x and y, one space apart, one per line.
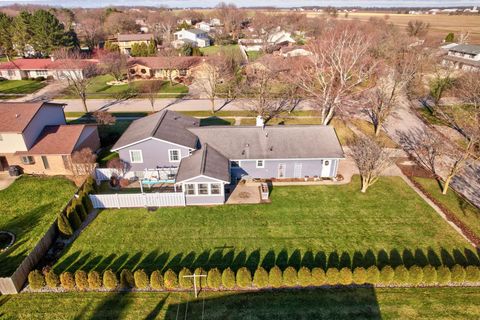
6 180
246 193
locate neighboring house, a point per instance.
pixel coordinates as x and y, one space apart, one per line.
35 137
126 41
162 67
463 56
294 51
19 69
215 22
202 25
251 44
203 160
280 38
195 37
278 64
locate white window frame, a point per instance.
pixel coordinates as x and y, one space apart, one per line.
208 189
260 166
219 189
170 155
29 160
131 158
194 189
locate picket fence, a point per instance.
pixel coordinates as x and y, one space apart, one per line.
137 200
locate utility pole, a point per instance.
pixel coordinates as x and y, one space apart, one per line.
195 276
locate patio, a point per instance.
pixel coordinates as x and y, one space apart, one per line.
246 193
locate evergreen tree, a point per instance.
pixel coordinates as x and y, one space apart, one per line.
48 33
6 44
22 32
152 48
450 37
64 225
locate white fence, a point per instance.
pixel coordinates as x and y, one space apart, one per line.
138 200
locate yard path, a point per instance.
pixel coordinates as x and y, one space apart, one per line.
405 122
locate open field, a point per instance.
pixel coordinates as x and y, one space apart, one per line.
342 303
28 208
440 25
311 226
20 87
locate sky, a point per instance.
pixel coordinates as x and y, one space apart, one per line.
248 3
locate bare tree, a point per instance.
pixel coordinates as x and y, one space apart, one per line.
104 118
118 166
114 64
370 158
163 22
118 22
231 17
467 88
417 28
151 89
425 146
464 37
83 162
339 65
91 28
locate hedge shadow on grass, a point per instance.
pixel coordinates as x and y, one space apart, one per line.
209 259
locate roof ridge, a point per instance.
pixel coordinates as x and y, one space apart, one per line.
204 159
158 123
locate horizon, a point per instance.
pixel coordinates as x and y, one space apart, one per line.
247 3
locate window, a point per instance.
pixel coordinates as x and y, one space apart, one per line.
41 72
46 165
202 188
11 73
174 155
1 138
190 189
260 164
66 161
136 156
183 72
216 188
28 160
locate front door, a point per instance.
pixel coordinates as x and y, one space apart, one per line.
3 164
297 170
282 168
326 168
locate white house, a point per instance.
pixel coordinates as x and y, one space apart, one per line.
196 37
463 56
202 25
215 22
280 37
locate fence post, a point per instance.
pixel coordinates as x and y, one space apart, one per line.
118 200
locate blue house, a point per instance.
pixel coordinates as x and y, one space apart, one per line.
171 147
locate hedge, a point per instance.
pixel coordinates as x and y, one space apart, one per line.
274 278
201 281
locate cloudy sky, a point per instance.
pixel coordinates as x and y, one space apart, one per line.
283 3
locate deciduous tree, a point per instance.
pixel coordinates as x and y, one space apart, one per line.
417 28
114 64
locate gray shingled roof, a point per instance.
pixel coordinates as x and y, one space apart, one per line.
165 125
135 37
276 142
196 31
207 162
467 48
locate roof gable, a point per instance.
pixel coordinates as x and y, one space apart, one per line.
15 117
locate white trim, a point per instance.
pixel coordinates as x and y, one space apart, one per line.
150 138
259 167
288 159
179 155
202 176
209 188
284 170
131 158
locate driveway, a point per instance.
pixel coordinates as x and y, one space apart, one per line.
52 89
5 180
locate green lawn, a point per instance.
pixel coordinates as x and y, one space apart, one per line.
207 51
464 211
20 86
28 208
254 55
343 303
283 121
99 89
367 128
312 226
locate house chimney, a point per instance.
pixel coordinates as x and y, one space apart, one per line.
260 122
52 58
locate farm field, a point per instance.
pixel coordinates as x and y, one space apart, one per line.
344 303
310 226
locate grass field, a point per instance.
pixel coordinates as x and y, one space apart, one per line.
20 86
343 303
312 226
28 208
99 89
464 211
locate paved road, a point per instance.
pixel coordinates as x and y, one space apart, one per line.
405 122
181 104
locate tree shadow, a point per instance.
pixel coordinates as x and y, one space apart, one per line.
214 121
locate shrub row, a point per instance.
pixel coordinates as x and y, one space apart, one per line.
243 278
77 211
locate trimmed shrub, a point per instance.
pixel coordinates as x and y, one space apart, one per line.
156 280
126 279
429 275
214 278
66 230
94 280
73 218
386 275
304 277
332 276
185 283
170 279
443 275
110 280
416 275
201 281
472 274
52 279
290 277
401 275
82 213
36 279
87 203
373 275
345 276
67 280
81 280
319 278
244 278
141 279
275 277
458 274
260 278
359 275
228 278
